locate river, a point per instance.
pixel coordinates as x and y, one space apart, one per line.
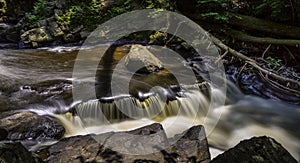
42 80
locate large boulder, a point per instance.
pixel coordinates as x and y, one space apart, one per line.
257 149
190 146
27 126
141 59
15 152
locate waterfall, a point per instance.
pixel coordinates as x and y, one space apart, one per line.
242 117
155 107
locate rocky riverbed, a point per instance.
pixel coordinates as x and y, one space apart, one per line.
145 144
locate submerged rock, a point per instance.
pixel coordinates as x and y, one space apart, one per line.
141 59
27 126
15 152
257 149
190 146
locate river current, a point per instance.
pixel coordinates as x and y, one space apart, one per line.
41 81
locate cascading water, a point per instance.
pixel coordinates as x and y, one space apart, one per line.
45 75
242 118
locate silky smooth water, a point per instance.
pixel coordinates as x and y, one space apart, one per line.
40 80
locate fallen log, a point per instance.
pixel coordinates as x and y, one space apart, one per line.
262 40
256 24
252 23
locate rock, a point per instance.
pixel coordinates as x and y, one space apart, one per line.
3 134
34 44
256 149
84 34
3 103
60 3
190 147
5 26
68 38
8 46
54 29
12 36
27 126
141 59
15 152
39 35
51 25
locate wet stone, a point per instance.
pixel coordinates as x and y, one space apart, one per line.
257 149
30 126
16 152
191 146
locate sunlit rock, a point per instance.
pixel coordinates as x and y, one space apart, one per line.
141 59
39 35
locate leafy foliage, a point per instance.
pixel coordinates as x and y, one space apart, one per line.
276 63
89 13
276 10
215 9
160 4
40 11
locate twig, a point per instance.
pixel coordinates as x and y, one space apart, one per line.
293 11
263 55
221 57
242 69
279 86
179 25
290 53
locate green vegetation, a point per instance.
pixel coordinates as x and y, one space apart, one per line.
89 13
41 10
160 4
276 10
276 63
